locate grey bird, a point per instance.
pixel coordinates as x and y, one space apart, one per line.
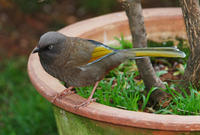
81 62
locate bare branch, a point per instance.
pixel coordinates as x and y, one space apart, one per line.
191 13
136 22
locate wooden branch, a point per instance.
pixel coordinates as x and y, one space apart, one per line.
136 23
191 13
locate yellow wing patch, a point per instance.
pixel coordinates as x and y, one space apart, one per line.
99 52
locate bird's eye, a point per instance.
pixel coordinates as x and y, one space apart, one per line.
50 47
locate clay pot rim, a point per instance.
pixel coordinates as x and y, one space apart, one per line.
48 86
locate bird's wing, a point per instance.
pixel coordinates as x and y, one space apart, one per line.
100 52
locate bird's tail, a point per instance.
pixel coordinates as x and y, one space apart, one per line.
155 52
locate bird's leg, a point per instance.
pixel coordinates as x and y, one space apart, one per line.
63 93
90 99
73 89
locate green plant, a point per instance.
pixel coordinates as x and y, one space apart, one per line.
98 6
23 110
124 44
182 103
30 6
120 90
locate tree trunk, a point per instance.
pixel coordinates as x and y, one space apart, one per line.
136 23
191 13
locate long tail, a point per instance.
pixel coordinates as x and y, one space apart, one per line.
155 52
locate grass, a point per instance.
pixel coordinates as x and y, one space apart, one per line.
121 87
23 110
182 104
118 89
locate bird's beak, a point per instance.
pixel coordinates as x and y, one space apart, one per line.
36 50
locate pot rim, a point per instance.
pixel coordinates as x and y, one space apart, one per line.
48 86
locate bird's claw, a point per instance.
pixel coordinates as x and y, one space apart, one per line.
85 103
65 92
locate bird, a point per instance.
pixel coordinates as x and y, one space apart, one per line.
83 62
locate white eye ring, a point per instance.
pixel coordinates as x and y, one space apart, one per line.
50 47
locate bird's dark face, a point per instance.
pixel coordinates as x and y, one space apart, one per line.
50 46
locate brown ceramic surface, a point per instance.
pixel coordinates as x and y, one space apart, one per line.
161 24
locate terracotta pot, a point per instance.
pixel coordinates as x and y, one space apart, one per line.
161 23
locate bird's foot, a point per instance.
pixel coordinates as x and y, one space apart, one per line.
85 103
65 92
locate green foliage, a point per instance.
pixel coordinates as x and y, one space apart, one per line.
119 89
55 25
94 6
30 6
124 44
98 6
182 103
146 98
23 110
161 72
160 44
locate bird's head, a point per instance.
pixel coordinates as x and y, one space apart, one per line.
50 45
